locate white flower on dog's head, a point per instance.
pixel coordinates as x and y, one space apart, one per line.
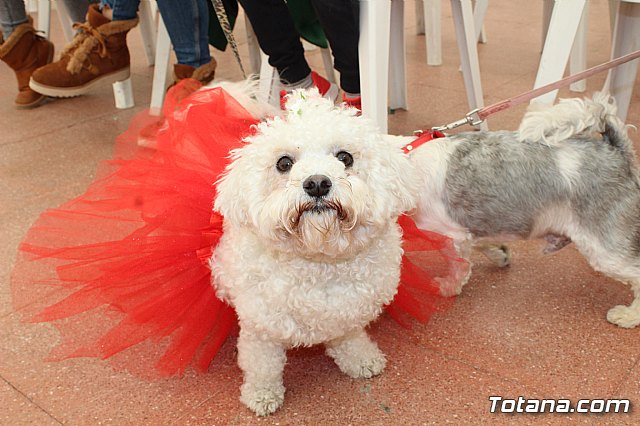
318 183
301 99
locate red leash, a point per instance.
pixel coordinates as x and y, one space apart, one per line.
477 116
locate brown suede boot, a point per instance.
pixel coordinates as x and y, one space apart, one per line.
204 73
97 54
25 51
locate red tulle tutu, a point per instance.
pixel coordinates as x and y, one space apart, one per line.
121 269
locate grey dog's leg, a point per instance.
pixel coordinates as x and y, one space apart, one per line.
627 316
499 254
615 258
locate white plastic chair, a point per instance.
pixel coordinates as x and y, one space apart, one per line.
428 22
381 50
564 37
161 68
373 48
625 22
563 26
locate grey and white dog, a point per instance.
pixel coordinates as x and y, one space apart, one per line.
569 174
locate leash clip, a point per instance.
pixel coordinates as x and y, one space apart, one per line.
472 118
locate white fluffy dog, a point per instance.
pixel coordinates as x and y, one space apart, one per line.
311 249
569 175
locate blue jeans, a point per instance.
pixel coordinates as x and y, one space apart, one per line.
122 9
187 22
12 14
78 9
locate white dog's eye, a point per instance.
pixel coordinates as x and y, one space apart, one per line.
284 164
345 157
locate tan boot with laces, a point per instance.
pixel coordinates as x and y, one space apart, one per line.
98 54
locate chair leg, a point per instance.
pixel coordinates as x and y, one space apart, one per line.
254 49
626 39
479 12
161 69
397 71
375 16
327 61
44 17
578 56
467 45
123 94
419 13
432 15
65 21
269 87
147 30
563 27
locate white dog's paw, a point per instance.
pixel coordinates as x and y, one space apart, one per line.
362 366
623 316
262 400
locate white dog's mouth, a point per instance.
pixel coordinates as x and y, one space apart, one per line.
319 206
320 227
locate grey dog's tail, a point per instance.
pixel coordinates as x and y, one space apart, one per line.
572 117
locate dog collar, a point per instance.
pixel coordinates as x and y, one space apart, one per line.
424 136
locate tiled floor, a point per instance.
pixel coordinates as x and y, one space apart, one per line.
536 329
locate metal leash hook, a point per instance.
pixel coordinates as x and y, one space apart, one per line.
472 118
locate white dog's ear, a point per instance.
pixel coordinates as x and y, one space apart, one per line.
230 200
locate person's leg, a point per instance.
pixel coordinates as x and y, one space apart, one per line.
278 38
77 9
187 22
121 10
12 14
340 20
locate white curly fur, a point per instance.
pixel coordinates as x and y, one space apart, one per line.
302 269
246 93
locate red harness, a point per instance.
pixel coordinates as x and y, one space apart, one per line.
424 136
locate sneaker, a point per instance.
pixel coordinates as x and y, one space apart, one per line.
353 102
325 87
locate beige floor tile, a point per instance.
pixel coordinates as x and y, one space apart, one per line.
18 410
540 322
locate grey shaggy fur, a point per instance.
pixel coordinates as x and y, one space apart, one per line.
496 185
577 186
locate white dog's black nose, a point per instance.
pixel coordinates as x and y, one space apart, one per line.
317 185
